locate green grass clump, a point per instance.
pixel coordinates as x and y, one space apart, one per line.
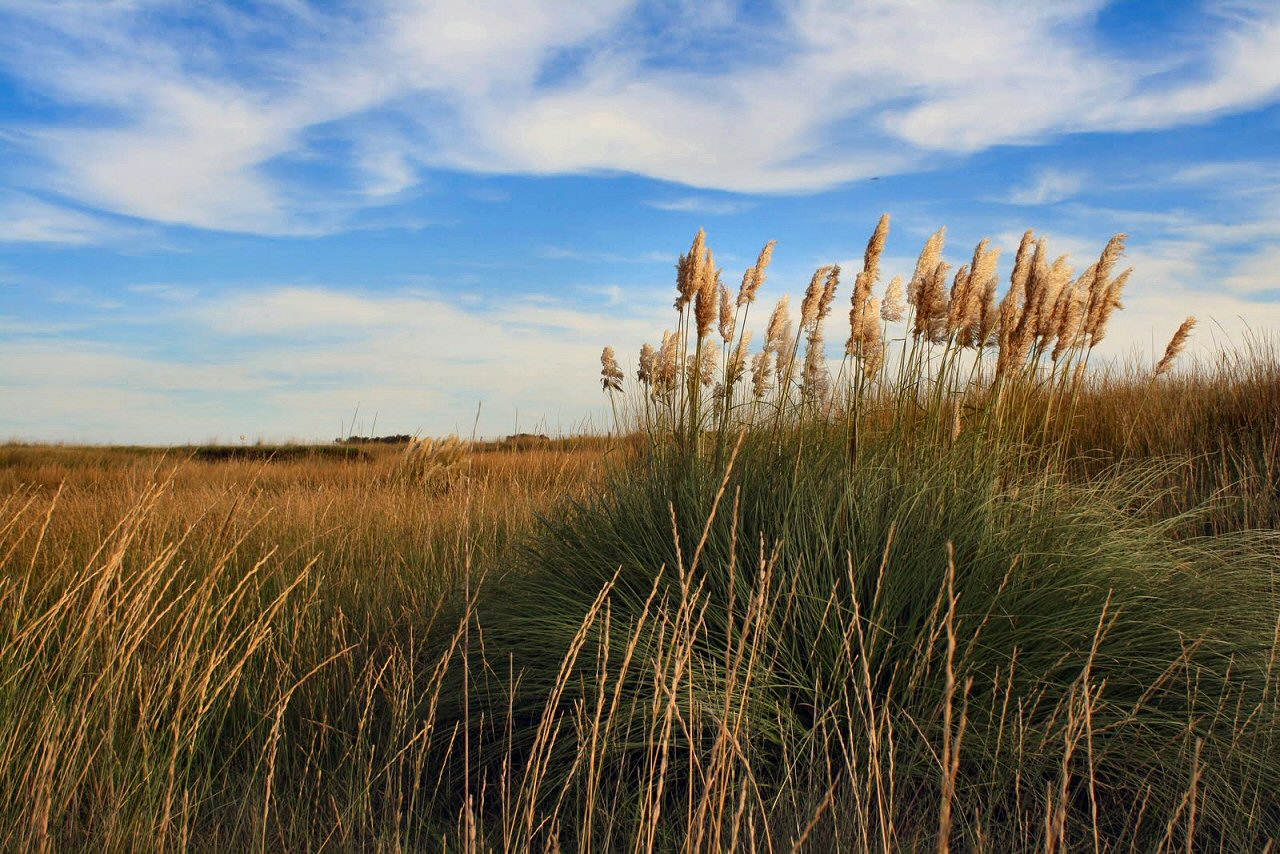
892 633
900 607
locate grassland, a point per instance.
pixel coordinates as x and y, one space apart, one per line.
964 594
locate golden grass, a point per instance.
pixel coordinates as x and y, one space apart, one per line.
278 648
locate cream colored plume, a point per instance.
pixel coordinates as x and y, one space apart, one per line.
689 270
926 265
1176 345
611 375
726 313
754 277
648 359
895 304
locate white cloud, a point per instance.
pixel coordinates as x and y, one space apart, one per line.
200 134
1048 187
168 293
703 205
27 219
567 253
290 361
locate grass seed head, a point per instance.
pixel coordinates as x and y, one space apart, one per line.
817 381
648 359
1107 304
829 292
705 308
755 276
611 375
707 361
895 304
1176 346
812 299
988 314
875 248
1068 331
761 374
926 264
958 309
779 323
738 361
727 313
689 270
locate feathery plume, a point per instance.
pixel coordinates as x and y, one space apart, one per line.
707 365
785 353
611 375
875 248
1068 331
755 276
727 313
958 309
1037 281
761 374
864 281
1050 299
1022 267
648 358
1176 345
895 305
779 322
870 338
812 298
932 309
689 270
1108 304
828 292
816 379
667 365
1100 307
926 264
988 315
704 306
738 361
1055 301
982 273
1010 314
1110 254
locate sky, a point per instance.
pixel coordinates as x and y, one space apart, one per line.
282 220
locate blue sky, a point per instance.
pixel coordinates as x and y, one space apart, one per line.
249 218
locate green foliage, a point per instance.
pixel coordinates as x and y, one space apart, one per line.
1098 662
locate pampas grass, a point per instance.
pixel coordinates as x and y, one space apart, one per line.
940 598
1176 345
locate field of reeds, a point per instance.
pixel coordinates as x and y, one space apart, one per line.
964 587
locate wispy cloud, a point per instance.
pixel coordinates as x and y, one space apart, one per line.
290 361
27 219
703 205
568 253
167 293
297 117
1048 187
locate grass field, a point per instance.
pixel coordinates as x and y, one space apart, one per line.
929 599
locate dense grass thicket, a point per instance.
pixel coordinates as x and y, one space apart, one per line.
963 590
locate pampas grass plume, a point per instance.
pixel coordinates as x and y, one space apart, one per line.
648 358
704 307
1176 346
755 276
611 375
726 313
895 304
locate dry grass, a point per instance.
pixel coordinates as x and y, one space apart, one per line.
961 593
